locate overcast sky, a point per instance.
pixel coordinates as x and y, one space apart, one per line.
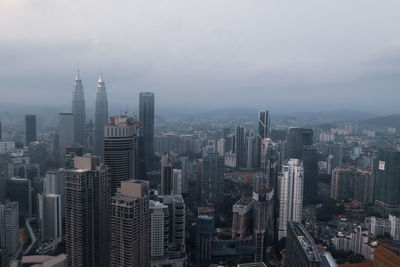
294 55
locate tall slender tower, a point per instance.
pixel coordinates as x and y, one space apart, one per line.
101 117
78 110
146 116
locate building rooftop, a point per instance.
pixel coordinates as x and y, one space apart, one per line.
306 241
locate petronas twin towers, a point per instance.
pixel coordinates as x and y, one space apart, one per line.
79 114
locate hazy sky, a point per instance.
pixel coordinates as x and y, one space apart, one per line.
295 55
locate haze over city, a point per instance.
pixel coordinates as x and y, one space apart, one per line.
202 55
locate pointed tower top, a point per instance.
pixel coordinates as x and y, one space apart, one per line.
77 77
101 80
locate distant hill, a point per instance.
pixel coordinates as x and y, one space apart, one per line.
383 121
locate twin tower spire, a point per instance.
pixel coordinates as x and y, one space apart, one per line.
100 115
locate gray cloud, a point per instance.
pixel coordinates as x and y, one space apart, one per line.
204 54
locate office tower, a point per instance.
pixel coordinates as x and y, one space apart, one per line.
9 221
100 117
38 154
54 182
278 135
146 116
78 111
297 138
30 129
87 202
176 181
177 217
263 124
204 234
66 135
185 174
166 175
130 225
50 216
252 158
221 146
310 164
199 176
300 247
387 181
159 230
141 170
240 147
120 150
20 190
291 195
212 182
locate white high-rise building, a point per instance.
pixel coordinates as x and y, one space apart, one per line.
394 227
54 183
78 111
9 222
291 194
101 117
50 216
159 230
176 181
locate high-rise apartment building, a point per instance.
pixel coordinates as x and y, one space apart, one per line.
146 116
9 221
100 117
212 182
87 202
30 129
159 230
300 247
387 181
291 195
130 225
78 111
50 216
65 135
205 224
120 150
166 176
20 190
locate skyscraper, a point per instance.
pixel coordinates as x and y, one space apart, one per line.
30 129
240 148
146 116
212 182
100 117
300 247
38 154
166 175
87 202
263 124
185 174
78 111
176 181
66 135
9 221
291 195
120 150
129 244
50 216
297 138
204 234
310 164
20 190
159 230
387 181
